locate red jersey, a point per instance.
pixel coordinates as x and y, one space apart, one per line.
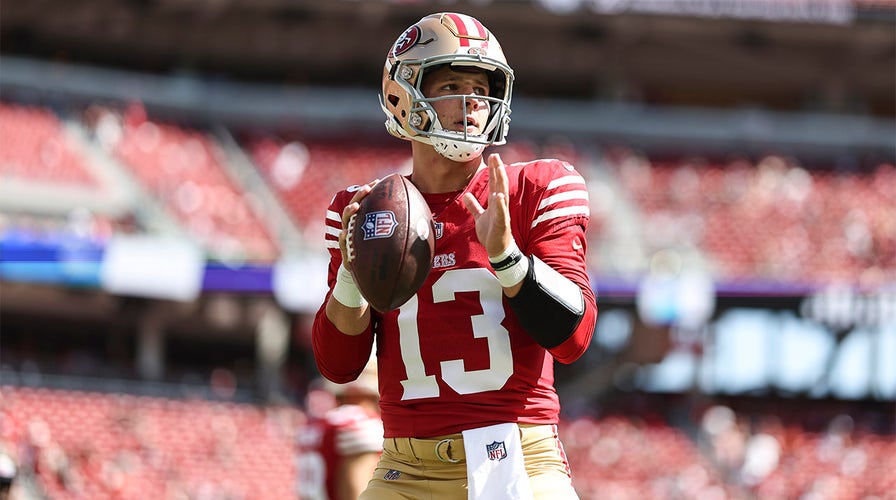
455 357
322 443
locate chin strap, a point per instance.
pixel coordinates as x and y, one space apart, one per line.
457 150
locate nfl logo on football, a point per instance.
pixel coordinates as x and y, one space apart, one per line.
379 224
496 450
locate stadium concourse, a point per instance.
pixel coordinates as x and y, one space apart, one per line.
209 440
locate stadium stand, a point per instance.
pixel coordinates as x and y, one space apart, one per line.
798 449
627 459
774 220
182 168
94 445
744 448
306 176
33 147
108 446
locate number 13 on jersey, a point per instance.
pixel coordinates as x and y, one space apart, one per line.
486 325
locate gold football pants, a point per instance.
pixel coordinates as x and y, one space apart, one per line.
423 469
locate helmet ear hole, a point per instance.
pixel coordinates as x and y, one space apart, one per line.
496 84
393 99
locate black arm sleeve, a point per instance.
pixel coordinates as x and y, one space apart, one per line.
549 306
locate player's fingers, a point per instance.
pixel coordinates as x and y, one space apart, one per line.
497 237
345 239
345 244
363 191
497 179
497 176
343 247
498 185
495 160
348 219
348 211
472 205
502 212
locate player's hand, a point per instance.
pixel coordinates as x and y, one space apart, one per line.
493 222
349 319
348 221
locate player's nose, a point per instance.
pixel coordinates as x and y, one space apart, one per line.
474 101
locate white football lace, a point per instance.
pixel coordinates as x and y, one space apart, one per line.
349 247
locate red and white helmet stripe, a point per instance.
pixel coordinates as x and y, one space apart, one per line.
469 30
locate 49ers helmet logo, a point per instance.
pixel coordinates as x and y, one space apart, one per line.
407 40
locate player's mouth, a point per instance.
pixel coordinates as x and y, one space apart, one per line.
470 125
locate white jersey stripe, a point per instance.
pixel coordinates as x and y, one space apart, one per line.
331 244
561 212
565 180
569 195
333 216
333 231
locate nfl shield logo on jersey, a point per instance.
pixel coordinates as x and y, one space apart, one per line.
496 450
379 224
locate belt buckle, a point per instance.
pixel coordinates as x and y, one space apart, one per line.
446 458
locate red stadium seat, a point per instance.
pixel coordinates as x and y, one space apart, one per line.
119 446
183 168
33 147
774 221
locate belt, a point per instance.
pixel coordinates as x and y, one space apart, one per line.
449 449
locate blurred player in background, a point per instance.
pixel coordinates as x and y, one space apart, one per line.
8 472
466 365
337 452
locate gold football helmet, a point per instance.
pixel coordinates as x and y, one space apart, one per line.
435 40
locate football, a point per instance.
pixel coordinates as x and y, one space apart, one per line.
391 243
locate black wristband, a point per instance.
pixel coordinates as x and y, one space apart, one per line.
507 262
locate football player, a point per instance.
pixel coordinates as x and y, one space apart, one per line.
337 452
466 365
